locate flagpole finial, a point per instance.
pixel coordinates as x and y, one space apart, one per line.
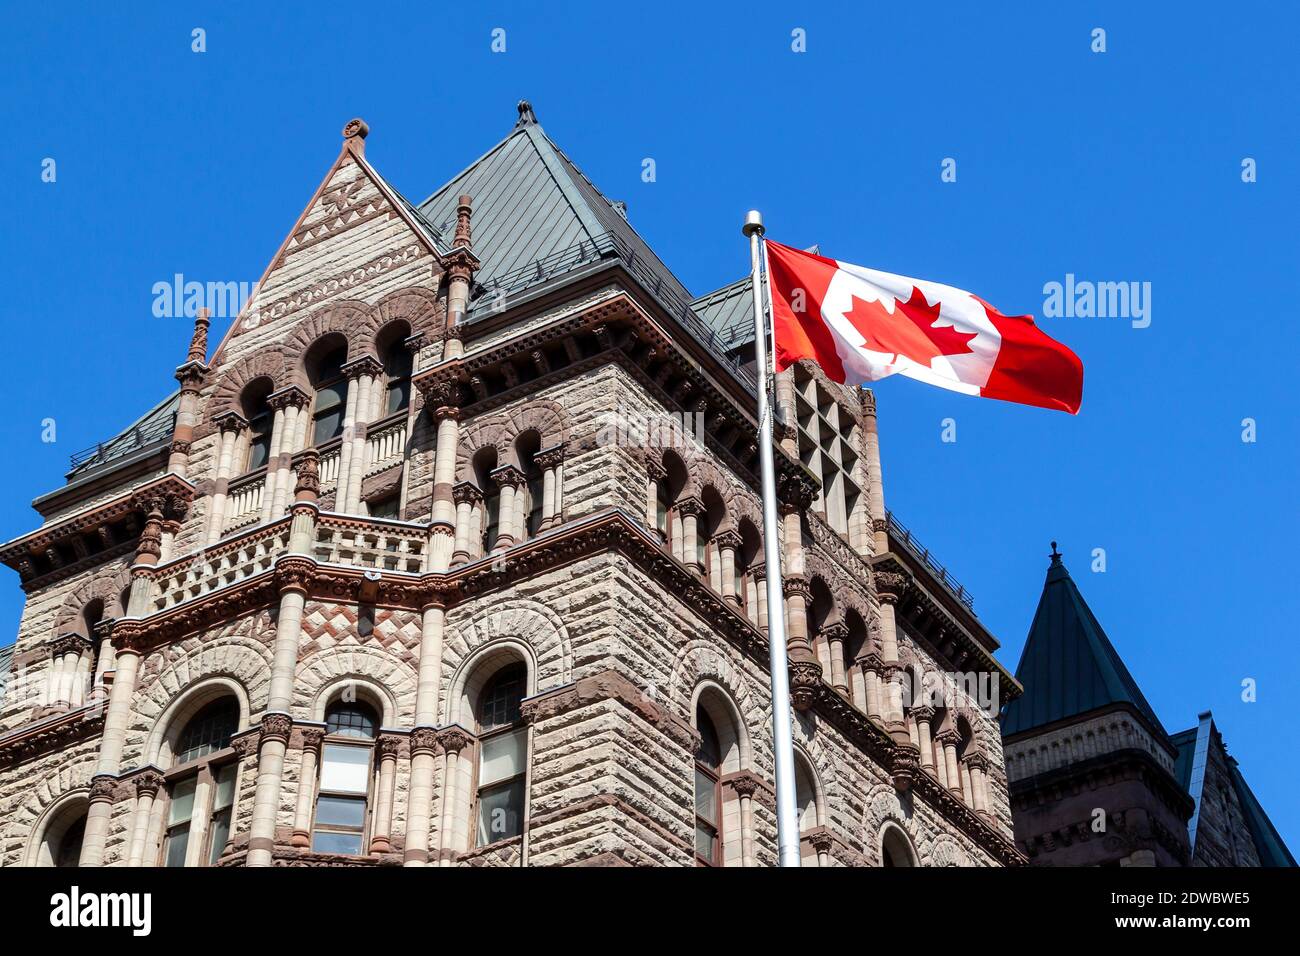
753 223
1056 556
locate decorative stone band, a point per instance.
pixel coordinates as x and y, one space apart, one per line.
28 742
611 685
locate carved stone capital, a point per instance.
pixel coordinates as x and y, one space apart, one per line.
365 365
923 714
454 739
797 587
509 475
307 486
289 396
230 422
821 839
466 492
905 766
654 466
276 726
834 631
388 745
147 781
103 788
745 783
424 740
948 737
549 458
805 683
294 573
728 539
690 506
312 737
891 585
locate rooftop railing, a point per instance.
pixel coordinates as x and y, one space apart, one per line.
922 554
607 246
126 443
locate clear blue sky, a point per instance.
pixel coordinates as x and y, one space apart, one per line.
1122 166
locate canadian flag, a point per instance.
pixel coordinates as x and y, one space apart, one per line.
861 325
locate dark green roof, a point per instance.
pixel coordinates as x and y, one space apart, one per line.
1069 666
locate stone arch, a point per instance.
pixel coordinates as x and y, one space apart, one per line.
338 318
107 586
362 689
267 362
883 805
169 726
701 660
324 671
417 307
531 624
44 802
944 851
703 474
491 432
239 662
822 763
474 672
895 842
544 416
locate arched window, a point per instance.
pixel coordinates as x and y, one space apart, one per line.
503 755
484 463
751 549
60 838
260 418
526 446
346 772
708 795
669 489
68 850
397 371
896 848
805 801
706 549
201 786
331 390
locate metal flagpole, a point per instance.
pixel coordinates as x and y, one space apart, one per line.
787 824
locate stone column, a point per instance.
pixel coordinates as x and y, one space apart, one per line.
691 509
871 665
362 374
293 573
467 498
103 658
510 480
147 784
386 749
272 457
312 737
452 740
977 765
834 634
924 717
758 574
460 265
746 785
231 426
728 543
949 739
191 375
785 430
655 473
550 461
805 670
891 586
822 841
289 404
876 488
424 739
440 398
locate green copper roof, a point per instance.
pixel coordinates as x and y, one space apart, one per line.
1069 666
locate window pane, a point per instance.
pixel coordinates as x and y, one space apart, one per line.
706 797
330 396
182 805
350 720
399 394
220 833
499 705
323 841
328 425
259 449
178 841
500 813
704 842
503 757
209 730
345 769
225 794
341 812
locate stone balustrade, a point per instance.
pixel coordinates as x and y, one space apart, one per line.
371 543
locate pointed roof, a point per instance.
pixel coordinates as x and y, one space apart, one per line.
532 202
1193 755
1069 666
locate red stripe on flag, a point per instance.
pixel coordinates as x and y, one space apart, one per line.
801 278
1032 368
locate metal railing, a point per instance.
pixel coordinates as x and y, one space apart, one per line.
922 554
490 295
127 442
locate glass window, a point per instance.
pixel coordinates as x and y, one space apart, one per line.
179 815
345 775
350 720
209 730
223 803
259 438
708 765
331 397
397 372
502 757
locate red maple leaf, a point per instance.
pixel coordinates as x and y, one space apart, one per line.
910 331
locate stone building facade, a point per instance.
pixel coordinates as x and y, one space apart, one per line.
1094 778
448 554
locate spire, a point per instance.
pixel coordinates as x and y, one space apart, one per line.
1069 666
199 342
526 115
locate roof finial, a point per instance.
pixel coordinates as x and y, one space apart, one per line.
526 115
1056 556
463 238
354 135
